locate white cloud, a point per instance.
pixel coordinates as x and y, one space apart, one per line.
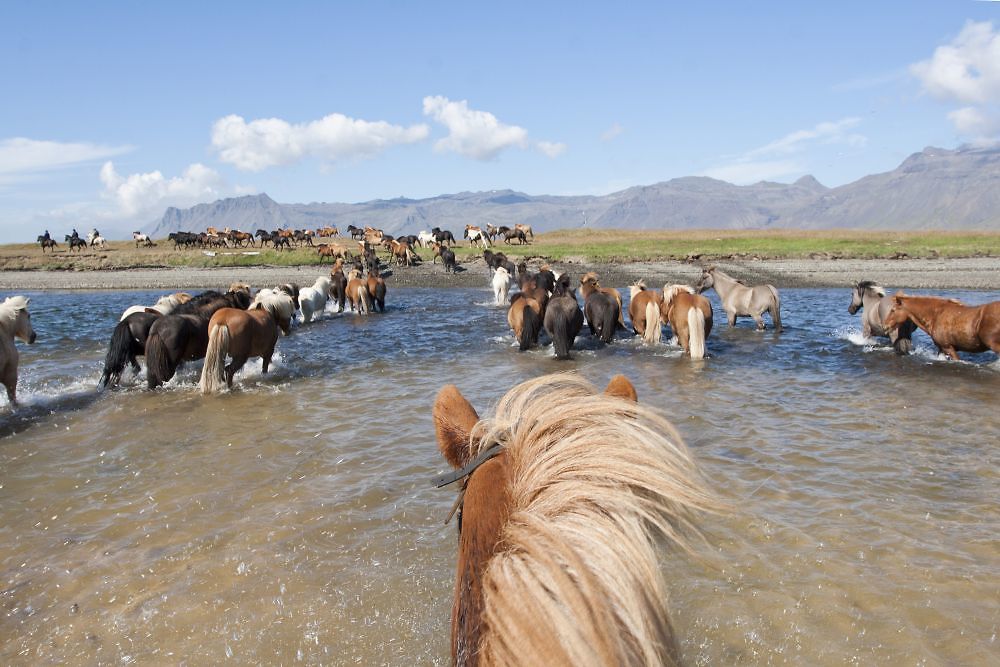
149 193
776 159
20 156
967 71
612 132
269 142
551 149
479 134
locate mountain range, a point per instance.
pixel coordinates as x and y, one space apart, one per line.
935 189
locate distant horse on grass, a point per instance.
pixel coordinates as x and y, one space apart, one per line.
183 334
75 243
876 304
739 300
689 316
15 322
601 309
49 243
953 326
525 318
242 334
563 318
568 499
644 311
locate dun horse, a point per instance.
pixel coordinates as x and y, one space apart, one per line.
689 316
559 543
644 311
242 334
738 300
15 322
872 298
953 326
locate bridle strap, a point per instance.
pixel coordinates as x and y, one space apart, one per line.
469 468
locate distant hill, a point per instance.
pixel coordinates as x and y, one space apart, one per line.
934 189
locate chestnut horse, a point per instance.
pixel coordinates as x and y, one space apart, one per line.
568 497
15 322
242 334
357 292
525 318
689 316
951 324
644 311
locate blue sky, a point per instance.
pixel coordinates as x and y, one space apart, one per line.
110 112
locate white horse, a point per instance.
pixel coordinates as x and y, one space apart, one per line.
15 322
98 240
426 239
164 305
313 299
501 285
139 237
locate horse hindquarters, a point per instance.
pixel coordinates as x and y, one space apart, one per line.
159 366
557 324
696 333
652 332
213 377
531 326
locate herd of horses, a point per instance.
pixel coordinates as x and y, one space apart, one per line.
567 493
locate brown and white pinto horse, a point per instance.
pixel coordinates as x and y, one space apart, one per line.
560 539
242 334
689 316
644 311
951 324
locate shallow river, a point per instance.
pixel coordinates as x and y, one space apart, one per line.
293 520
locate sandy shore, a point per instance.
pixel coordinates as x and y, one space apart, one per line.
926 274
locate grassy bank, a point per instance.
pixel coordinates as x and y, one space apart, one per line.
592 246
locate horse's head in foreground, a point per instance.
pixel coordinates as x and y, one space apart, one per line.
568 496
15 319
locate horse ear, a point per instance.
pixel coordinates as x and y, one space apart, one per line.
454 418
620 387
898 297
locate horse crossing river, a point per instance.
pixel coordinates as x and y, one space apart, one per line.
294 520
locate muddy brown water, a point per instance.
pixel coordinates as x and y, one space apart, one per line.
293 520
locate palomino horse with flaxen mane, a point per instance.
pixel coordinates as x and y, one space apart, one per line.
871 296
739 300
644 311
953 326
689 316
15 322
568 496
242 334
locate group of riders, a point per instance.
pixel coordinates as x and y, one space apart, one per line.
74 235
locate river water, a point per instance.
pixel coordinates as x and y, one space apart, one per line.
293 520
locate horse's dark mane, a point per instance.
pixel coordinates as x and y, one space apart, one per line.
866 284
196 305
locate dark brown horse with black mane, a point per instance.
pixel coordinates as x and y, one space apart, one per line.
183 334
559 543
953 326
603 311
563 318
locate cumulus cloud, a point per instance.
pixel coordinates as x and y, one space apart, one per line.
967 71
784 156
270 142
149 193
20 155
479 134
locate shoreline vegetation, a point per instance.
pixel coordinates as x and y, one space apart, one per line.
785 257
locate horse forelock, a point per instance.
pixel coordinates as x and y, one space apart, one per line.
595 482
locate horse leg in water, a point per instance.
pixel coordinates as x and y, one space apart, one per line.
233 368
757 317
731 316
10 383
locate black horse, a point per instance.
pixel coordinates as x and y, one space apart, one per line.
128 341
443 235
563 319
75 242
448 259
183 334
47 242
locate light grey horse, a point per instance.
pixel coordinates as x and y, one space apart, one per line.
739 300
870 296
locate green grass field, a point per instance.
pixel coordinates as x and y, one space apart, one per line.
593 246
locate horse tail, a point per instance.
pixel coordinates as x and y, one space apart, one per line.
560 335
158 366
380 296
608 322
531 326
652 332
696 333
213 373
364 299
775 308
119 354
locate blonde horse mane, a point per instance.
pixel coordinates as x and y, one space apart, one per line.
635 288
670 291
597 483
276 302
